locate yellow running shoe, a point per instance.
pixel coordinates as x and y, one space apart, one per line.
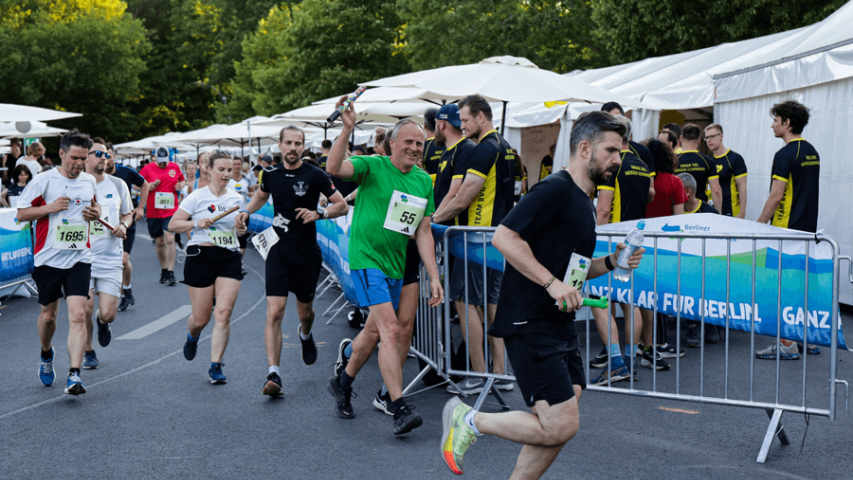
456 435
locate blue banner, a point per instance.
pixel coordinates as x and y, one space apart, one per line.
16 247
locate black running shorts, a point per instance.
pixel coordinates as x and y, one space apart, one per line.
52 282
293 268
205 264
127 243
412 273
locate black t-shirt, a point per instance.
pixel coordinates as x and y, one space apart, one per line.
702 167
130 177
630 187
703 207
14 190
292 189
454 163
494 161
432 158
730 167
643 154
798 165
556 219
321 161
546 167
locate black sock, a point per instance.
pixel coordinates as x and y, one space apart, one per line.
48 355
90 352
345 381
164 270
397 404
72 371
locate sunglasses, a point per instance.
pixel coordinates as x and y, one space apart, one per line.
100 154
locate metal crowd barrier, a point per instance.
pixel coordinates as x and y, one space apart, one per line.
438 353
15 284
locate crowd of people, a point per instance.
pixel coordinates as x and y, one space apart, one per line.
456 169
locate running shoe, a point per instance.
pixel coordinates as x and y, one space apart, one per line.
811 350
648 361
309 348
632 367
190 347
272 386
164 276
105 334
90 361
128 294
172 280
75 385
692 338
46 373
712 335
406 419
456 435
122 306
668 351
382 402
616 374
343 398
505 385
787 352
215 373
341 363
469 386
600 360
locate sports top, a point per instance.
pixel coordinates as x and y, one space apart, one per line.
107 249
730 167
454 163
702 167
798 165
630 187
203 204
494 161
432 157
163 200
292 189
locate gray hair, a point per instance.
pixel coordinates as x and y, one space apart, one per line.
590 126
688 181
628 125
395 130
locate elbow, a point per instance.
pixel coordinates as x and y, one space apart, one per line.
500 240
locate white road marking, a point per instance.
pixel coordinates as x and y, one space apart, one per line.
143 236
159 324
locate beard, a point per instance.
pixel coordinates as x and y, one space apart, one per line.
292 158
597 173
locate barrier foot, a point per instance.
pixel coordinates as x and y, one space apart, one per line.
488 388
30 285
333 305
345 305
775 429
331 283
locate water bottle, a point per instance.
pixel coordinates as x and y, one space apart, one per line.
634 240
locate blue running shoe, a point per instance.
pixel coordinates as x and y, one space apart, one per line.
104 332
46 373
190 347
75 385
215 372
615 374
90 362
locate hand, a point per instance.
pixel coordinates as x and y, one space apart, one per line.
742 215
152 186
306 215
567 296
92 213
138 213
437 293
348 116
241 221
241 231
323 201
633 260
120 231
59 204
205 223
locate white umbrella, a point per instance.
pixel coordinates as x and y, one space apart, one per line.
21 113
29 130
316 115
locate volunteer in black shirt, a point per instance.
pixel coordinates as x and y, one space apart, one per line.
434 147
552 224
293 263
693 204
638 149
732 171
547 164
702 167
324 151
455 158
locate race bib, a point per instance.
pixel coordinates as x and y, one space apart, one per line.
71 235
97 229
577 272
518 188
265 241
404 213
164 201
221 237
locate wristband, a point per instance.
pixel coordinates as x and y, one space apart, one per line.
608 263
549 283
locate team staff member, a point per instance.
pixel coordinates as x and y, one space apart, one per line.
325 146
395 202
433 148
165 180
637 149
794 191
485 197
213 260
293 264
107 250
732 171
675 130
702 167
63 200
547 165
455 158
693 204
552 223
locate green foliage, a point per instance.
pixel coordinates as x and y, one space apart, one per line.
635 29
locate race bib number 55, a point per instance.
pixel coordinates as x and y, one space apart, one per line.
404 213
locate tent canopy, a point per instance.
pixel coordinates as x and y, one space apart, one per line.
21 113
29 130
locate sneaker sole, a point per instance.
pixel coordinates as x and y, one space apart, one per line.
446 427
614 379
381 407
89 367
783 357
470 391
506 387
415 422
76 389
334 393
218 382
648 364
340 360
272 389
38 373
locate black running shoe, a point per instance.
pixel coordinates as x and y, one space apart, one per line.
649 361
406 420
272 386
341 363
179 242
600 360
172 280
104 332
128 294
190 348
309 348
122 306
164 276
343 407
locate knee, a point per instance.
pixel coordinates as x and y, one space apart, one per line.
107 316
306 315
48 318
125 262
275 313
560 432
222 313
392 330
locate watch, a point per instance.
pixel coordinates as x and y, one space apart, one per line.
126 226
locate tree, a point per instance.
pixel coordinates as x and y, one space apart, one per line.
636 29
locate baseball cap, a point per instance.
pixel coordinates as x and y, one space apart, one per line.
449 113
162 155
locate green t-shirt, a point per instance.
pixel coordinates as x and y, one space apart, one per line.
372 245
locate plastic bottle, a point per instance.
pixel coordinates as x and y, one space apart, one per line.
634 240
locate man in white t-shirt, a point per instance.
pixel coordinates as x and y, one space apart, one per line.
62 201
107 251
240 183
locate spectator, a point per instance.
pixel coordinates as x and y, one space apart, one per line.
324 150
20 176
671 139
10 158
34 152
379 142
669 191
637 149
433 148
547 165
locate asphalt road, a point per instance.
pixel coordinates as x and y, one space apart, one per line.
149 413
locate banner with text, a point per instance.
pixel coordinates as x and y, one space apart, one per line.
16 247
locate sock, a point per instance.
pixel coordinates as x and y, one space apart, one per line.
469 420
126 288
345 381
163 270
348 351
616 356
48 355
89 352
384 390
73 371
276 370
397 404
193 339
302 336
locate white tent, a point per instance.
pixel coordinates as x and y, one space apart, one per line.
21 113
29 130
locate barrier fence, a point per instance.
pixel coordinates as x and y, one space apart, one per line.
16 254
775 283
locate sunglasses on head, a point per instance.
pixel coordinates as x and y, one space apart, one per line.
100 154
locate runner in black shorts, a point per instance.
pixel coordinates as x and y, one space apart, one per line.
293 261
552 227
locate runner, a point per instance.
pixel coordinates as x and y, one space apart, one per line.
240 183
107 250
553 224
395 201
293 261
63 200
732 171
165 180
212 260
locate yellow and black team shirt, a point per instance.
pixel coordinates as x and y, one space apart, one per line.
702 167
730 167
546 167
643 154
454 163
630 187
494 161
798 165
703 207
432 157
520 178
321 161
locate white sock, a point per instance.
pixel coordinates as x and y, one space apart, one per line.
126 288
469 420
303 336
275 370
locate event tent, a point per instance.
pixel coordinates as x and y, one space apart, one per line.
21 113
29 130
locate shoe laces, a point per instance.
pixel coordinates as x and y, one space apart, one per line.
74 378
48 367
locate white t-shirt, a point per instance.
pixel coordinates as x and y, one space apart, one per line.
62 239
34 166
240 186
203 204
107 249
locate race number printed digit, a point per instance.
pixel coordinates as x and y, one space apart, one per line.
221 237
164 201
577 271
404 213
265 241
71 235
